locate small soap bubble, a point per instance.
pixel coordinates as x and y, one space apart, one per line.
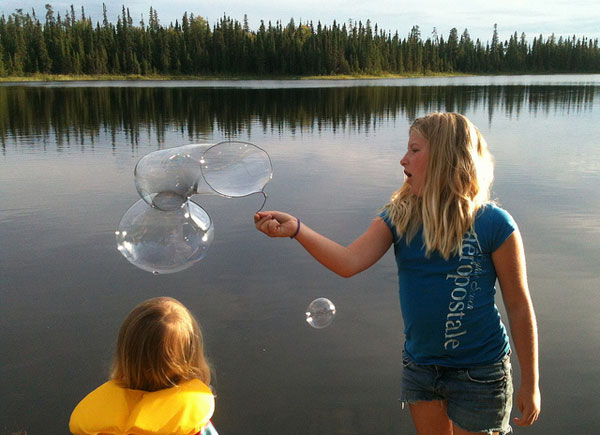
320 313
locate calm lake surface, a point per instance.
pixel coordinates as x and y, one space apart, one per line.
67 154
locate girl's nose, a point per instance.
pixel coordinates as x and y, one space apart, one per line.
403 160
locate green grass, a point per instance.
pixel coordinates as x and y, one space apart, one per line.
108 77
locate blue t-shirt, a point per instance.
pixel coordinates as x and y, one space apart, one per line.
450 317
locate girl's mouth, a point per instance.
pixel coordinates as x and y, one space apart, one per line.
408 174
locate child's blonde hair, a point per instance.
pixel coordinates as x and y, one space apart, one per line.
460 171
160 345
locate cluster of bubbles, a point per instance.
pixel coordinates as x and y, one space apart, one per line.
320 313
165 231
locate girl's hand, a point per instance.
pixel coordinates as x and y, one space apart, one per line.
275 223
528 403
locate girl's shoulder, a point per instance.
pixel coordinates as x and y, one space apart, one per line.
491 211
493 225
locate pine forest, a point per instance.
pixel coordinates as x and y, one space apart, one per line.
73 44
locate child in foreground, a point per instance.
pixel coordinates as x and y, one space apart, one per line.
159 379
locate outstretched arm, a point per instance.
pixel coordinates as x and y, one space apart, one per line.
343 260
509 261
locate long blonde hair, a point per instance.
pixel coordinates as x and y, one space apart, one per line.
460 171
160 345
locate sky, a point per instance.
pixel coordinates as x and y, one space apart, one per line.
532 17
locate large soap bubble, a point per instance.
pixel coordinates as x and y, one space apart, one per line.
236 169
165 231
161 241
320 313
165 179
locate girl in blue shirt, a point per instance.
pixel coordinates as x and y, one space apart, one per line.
451 243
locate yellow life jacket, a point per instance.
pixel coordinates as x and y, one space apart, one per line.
111 409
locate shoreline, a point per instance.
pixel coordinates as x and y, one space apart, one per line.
158 77
48 78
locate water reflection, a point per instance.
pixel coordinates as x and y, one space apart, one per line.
64 115
67 178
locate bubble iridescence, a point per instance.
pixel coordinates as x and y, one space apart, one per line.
320 313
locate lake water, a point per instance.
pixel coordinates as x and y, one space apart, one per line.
67 154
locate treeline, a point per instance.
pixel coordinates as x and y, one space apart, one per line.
74 45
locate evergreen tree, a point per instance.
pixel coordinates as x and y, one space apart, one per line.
495 51
3 71
192 46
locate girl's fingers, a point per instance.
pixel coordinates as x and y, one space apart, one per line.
260 220
261 215
271 222
267 225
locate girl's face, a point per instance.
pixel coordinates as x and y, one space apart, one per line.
415 162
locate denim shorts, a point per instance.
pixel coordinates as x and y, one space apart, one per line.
479 399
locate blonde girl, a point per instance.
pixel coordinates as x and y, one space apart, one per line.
159 382
451 244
